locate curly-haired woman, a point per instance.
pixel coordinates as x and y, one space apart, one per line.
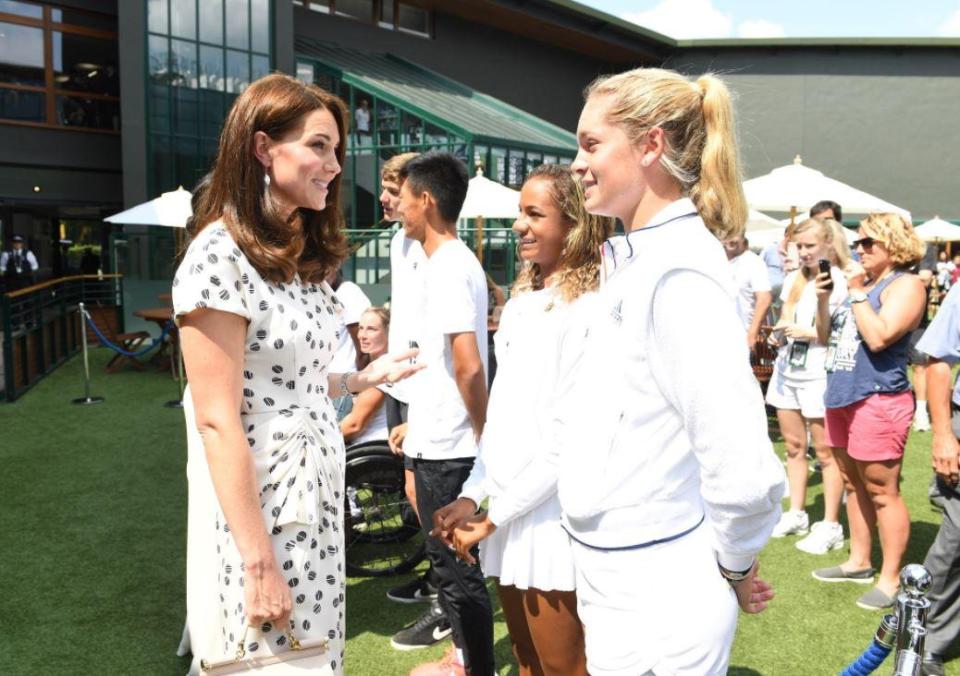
868 400
523 544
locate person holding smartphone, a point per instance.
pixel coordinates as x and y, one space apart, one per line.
799 381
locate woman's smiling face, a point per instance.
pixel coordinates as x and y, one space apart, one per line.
541 227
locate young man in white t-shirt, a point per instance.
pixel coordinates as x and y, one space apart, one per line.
449 397
753 286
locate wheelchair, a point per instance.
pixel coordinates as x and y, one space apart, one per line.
382 533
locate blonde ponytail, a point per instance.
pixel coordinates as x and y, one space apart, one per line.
698 123
718 194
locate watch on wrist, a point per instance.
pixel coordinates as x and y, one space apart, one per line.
857 297
344 388
734 577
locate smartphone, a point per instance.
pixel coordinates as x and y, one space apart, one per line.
825 267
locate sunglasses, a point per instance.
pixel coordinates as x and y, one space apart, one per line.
865 242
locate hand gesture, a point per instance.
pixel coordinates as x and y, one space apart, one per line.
452 516
856 276
397 435
752 592
946 457
390 368
467 536
823 283
266 595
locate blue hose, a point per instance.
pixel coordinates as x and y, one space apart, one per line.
871 658
119 350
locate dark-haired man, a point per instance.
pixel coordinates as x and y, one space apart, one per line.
449 401
827 209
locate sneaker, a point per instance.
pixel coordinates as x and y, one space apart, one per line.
875 599
448 665
825 536
431 628
792 523
837 574
415 591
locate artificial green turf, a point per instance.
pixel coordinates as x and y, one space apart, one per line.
92 536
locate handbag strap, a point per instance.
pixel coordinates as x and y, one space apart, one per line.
242 649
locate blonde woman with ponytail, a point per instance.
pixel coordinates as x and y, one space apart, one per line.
667 479
800 380
522 543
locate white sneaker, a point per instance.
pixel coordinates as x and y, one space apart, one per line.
792 523
825 536
921 423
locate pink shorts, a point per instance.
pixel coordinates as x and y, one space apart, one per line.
872 429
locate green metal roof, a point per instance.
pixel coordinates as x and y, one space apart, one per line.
439 100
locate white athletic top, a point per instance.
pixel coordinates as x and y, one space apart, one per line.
455 301
517 463
750 277
664 426
407 261
376 427
354 302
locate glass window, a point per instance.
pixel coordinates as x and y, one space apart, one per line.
75 111
305 72
157 16
413 19
21 54
86 19
211 113
238 25
85 64
186 115
159 120
159 59
238 71
211 21
549 159
498 172
211 68
260 25
260 66
515 168
386 14
183 19
25 106
183 63
356 9
21 9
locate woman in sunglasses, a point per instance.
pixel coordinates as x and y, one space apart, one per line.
869 405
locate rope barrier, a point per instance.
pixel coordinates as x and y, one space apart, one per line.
868 662
119 350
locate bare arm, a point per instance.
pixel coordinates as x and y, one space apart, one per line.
212 343
823 320
764 299
364 408
945 449
904 303
471 379
354 330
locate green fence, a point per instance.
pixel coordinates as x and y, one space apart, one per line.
41 325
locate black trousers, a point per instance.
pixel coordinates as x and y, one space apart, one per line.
463 593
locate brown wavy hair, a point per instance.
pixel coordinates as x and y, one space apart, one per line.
897 235
307 242
578 270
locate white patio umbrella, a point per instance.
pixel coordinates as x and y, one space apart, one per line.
757 221
488 199
796 188
171 209
938 230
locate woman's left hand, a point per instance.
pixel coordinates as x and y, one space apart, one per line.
470 534
389 368
797 332
753 593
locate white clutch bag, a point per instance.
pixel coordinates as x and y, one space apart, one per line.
298 660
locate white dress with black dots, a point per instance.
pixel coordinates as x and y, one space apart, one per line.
296 447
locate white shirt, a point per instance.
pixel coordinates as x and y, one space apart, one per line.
28 260
376 427
665 425
354 302
455 301
407 262
363 119
813 366
750 277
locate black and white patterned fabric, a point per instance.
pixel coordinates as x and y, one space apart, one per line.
295 444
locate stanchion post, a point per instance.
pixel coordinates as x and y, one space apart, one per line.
177 403
86 399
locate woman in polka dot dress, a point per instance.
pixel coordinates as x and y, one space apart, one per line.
258 330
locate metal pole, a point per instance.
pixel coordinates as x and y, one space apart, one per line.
911 609
86 399
178 403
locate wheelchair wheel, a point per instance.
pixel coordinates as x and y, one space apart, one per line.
382 533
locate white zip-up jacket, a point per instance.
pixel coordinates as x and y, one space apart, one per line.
665 425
